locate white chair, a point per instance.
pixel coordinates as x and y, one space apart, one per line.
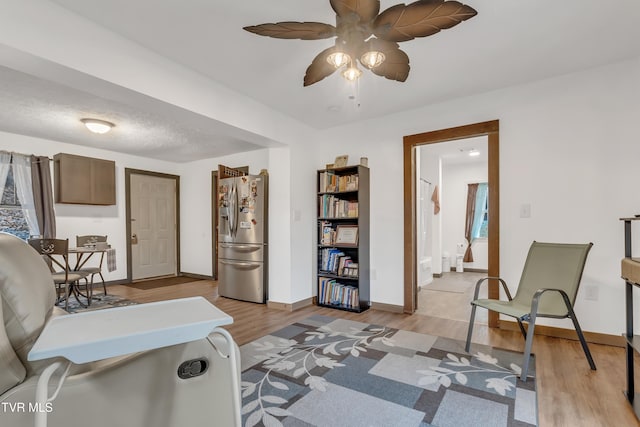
144 389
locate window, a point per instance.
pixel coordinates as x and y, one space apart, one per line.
12 219
480 227
484 225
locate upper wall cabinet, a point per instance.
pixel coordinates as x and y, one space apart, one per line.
84 180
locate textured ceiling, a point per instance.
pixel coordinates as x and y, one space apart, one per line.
37 107
508 43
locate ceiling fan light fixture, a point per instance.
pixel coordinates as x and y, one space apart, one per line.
352 73
372 59
361 28
97 126
338 59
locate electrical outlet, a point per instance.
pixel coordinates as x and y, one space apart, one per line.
525 211
591 293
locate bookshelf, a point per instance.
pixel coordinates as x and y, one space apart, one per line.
343 238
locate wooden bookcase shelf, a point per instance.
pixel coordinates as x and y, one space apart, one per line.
343 261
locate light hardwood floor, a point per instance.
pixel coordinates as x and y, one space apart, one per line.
569 393
449 297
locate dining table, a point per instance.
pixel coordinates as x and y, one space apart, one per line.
84 254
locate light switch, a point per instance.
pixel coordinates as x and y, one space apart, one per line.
525 211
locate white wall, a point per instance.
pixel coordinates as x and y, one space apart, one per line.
291 219
72 220
568 146
455 180
195 199
31 29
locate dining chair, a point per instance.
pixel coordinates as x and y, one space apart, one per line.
66 277
548 287
91 271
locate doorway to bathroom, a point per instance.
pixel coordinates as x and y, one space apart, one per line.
411 144
452 225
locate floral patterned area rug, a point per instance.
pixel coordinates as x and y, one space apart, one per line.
99 302
324 371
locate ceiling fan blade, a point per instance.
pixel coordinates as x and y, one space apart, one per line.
294 30
420 19
367 10
396 63
319 68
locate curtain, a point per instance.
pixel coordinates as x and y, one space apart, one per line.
5 164
43 196
22 178
472 190
481 201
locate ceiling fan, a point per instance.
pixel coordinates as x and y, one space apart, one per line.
365 35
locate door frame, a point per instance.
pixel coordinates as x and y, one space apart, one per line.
127 188
410 142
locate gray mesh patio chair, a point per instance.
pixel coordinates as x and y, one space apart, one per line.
548 288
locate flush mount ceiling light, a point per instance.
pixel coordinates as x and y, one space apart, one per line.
366 35
473 152
97 126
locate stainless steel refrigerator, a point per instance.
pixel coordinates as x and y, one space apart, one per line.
242 238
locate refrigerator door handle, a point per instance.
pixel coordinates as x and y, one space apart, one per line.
232 211
243 265
241 247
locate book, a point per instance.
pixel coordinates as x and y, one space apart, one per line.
334 293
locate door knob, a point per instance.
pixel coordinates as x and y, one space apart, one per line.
134 239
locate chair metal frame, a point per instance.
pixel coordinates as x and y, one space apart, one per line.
60 247
533 314
92 271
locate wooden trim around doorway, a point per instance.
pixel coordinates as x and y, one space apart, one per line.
410 143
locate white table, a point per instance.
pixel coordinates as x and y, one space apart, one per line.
101 334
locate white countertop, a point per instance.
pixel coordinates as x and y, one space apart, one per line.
101 334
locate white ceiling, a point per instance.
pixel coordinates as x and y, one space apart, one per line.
457 152
508 43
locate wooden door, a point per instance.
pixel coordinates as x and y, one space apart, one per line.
153 226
